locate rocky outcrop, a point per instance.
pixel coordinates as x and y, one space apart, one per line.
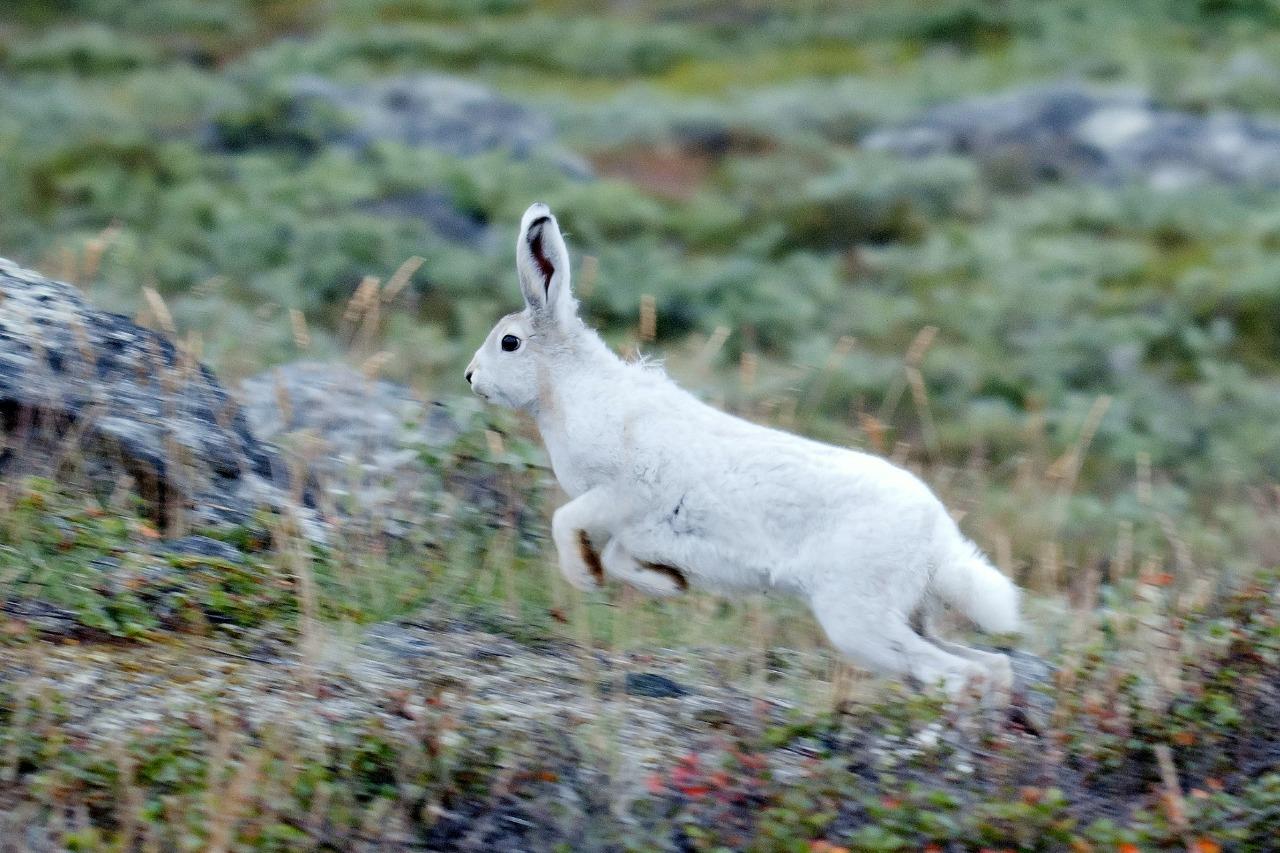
93 396
1071 131
448 114
361 440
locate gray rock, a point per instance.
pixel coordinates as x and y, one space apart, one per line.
360 438
1071 131
202 546
48 620
434 111
437 209
448 114
653 686
1032 685
91 394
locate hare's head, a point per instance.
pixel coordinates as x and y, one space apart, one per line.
510 366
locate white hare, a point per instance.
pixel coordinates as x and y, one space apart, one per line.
668 492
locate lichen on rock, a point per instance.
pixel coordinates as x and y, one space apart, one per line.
91 396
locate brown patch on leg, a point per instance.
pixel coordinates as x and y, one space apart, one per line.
677 576
590 557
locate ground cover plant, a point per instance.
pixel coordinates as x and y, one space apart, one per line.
1086 372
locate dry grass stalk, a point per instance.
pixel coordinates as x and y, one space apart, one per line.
66 264
920 396
874 430
1066 469
1090 583
301 334
400 278
1142 462
283 403
914 358
88 360
748 369
762 632
712 348
92 259
361 315
648 329
131 798
1050 566
191 351
1181 550
901 453
498 559
159 310
372 366
1122 565
310 639
786 414
295 554
232 801
588 275
366 292
1003 548
369 325
839 352
1175 805
22 717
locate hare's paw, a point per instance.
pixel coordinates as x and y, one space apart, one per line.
580 529
580 562
656 579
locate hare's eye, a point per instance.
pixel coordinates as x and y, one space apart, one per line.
510 343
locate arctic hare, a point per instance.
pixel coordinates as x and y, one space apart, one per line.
668 492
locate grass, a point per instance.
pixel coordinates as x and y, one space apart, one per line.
1086 374
891 772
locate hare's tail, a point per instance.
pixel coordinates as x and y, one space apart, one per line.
968 582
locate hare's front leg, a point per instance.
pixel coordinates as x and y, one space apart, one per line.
656 579
580 529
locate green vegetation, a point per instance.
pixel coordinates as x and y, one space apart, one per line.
1087 373
421 764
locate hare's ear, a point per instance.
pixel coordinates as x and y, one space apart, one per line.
542 262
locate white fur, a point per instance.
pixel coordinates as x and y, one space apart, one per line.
655 476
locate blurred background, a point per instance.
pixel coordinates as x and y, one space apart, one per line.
1077 200
1031 250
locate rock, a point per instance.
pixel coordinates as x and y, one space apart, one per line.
434 111
653 686
360 438
202 546
1032 683
49 621
1105 136
438 209
448 114
88 393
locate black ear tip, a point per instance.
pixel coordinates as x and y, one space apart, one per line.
535 227
533 235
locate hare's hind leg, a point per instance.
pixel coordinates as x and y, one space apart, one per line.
652 578
876 636
999 671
